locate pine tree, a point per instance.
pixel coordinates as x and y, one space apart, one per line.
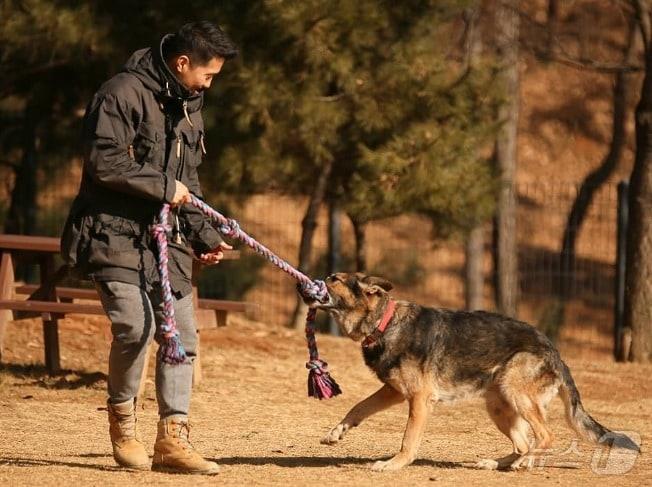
371 99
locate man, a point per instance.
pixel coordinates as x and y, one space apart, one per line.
143 139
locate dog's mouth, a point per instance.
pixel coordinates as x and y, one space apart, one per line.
315 303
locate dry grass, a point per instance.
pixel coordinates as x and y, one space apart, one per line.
252 416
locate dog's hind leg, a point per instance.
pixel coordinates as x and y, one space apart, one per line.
419 409
528 385
383 398
512 425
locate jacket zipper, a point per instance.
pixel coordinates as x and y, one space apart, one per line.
177 226
185 112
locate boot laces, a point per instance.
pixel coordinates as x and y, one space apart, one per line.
126 423
183 433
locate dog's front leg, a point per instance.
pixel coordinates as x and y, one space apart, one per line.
419 409
383 398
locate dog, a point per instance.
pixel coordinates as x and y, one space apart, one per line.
424 355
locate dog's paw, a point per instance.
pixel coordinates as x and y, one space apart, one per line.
334 435
387 465
487 464
525 462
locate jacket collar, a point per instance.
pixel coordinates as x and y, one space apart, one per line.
150 67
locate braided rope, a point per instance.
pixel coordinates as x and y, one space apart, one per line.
320 384
230 228
172 351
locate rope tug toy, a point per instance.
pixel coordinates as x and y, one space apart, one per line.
320 383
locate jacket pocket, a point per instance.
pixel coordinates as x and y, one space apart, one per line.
115 242
180 261
149 145
75 238
195 147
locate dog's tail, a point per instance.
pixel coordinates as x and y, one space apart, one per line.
581 421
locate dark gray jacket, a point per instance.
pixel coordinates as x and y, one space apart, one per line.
142 131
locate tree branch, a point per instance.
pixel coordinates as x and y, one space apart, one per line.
9 164
586 64
557 53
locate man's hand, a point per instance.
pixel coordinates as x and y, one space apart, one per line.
215 255
181 194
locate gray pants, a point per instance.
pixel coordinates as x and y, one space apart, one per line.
134 313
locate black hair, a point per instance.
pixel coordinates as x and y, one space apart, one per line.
200 41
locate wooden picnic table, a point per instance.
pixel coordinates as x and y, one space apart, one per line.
52 302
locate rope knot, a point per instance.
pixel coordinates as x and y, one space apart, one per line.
318 365
229 229
314 290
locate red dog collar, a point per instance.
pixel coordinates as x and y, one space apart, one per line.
382 325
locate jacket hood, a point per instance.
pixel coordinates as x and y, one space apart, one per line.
149 66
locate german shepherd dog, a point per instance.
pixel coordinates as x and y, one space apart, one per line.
428 355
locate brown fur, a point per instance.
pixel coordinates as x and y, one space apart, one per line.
431 355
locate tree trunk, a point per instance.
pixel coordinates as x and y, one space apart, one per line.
638 296
334 238
21 217
473 276
360 231
474 245
507 25
309 224
598 177
552 22
334 251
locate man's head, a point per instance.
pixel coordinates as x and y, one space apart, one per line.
196 53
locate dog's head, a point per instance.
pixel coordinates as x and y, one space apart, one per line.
356 301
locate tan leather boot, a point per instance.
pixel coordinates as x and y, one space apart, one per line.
174 453
128 450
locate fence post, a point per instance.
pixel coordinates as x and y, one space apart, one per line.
621 256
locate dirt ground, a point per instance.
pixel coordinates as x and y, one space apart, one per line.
252 416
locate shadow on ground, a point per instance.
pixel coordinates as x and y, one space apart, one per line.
38 375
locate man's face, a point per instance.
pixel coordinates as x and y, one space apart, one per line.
194 77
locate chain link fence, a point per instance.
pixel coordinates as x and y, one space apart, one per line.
424 270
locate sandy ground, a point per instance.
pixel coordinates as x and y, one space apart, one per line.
252 416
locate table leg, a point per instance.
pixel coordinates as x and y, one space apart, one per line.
197 374
50 320
143 375
6 292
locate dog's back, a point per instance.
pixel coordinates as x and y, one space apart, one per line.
460 347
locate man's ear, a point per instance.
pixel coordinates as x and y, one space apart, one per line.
182 62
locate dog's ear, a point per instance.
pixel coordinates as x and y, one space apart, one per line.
374 285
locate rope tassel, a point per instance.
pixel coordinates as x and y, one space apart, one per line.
320 383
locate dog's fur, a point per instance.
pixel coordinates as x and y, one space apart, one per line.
428 355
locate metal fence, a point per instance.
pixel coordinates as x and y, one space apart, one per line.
431 272
425 270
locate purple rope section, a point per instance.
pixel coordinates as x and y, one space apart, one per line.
230 228
172 351
320 384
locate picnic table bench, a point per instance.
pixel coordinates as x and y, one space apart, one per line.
52 302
